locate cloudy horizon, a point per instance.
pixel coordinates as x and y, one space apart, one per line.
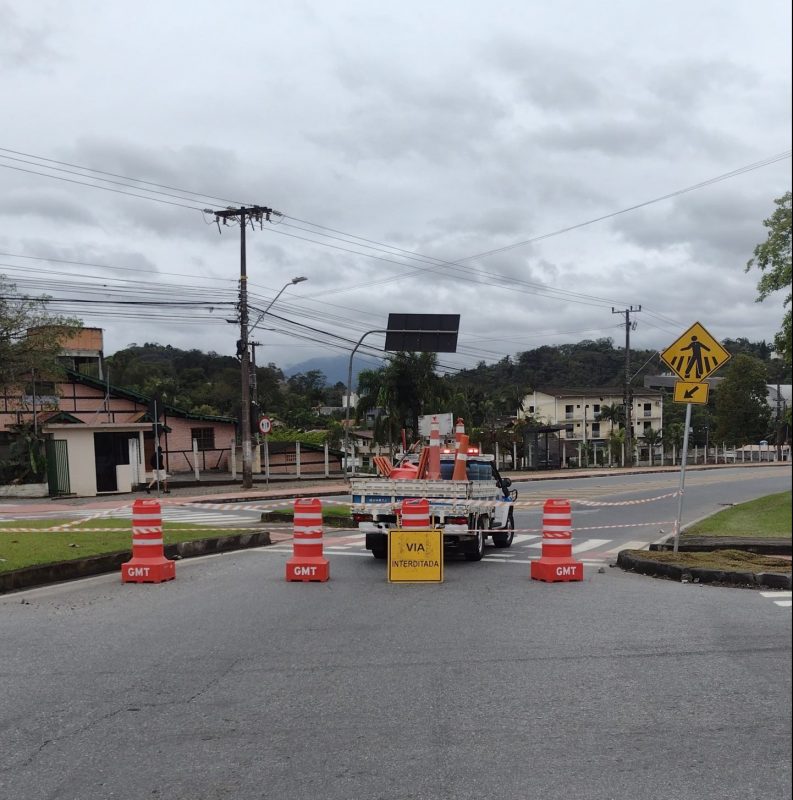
495 162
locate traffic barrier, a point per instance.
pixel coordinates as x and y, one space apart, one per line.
415 514
148 563
307 562
461 460
434 468
556 562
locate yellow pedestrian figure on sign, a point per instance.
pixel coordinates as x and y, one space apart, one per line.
695 359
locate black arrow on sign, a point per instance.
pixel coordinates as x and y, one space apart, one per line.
691 392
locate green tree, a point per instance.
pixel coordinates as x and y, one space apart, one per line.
615 414
30 337
773 257
742 412
406 388
652 438
615 442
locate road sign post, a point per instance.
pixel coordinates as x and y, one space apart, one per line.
692 357
265 426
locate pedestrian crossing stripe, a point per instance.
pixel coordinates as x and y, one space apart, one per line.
781 599
177 514
524 550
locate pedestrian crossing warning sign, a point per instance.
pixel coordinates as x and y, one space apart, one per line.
695 355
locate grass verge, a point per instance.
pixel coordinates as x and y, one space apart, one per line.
765 518
329 512
44 546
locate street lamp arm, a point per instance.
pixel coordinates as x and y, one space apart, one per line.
273 301
349 381
349 396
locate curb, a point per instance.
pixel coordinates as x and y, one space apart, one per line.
288 519
30 577
707 544
655 569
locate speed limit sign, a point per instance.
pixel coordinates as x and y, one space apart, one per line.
265 425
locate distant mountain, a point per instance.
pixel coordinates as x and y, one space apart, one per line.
334 368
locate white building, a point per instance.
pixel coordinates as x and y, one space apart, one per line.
578 410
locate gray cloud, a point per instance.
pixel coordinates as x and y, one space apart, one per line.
26 47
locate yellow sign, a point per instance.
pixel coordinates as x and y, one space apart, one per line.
686 392
695 355
415 556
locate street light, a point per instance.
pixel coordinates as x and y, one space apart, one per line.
245 366
272 302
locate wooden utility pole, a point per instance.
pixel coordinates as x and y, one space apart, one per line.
244 215
628 394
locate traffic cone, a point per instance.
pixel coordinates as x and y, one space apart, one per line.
415 514
459 430
556 562
148 563
434 468
307 562
461 459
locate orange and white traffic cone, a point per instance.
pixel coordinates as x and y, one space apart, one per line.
556 562
148 563
461 459
459 430
307 562
415 514
434 468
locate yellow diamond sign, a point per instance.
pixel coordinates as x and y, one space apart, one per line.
695 355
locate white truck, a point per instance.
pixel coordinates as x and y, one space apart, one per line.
466 511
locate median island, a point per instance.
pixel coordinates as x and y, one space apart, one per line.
747 545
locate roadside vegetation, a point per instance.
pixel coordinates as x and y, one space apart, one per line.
767 518
46 546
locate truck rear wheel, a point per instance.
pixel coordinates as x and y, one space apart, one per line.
478 547
504 538
380 552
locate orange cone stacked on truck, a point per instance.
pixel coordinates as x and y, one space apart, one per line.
461 460
556 562
434 466
459 431
148 563
307 562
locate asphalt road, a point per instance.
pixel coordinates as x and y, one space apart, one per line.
230 682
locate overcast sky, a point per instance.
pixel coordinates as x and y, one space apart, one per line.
426 157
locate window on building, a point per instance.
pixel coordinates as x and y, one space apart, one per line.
568 412
204 436
41 391
648 409
531 409
595 429
596 408
648 425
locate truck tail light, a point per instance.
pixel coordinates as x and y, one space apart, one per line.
457 520
356 518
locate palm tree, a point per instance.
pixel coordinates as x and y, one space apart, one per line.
652 439
615 414
615 441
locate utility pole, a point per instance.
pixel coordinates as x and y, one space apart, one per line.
244 215
628 395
